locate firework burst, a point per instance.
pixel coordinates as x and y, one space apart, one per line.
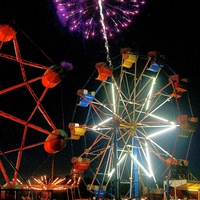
85 15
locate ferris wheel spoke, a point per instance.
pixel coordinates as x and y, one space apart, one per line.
131 119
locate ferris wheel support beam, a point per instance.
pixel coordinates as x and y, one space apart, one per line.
136 173
117 179
4 174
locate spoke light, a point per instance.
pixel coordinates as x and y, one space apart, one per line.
111 173
157 117
163 131
95 127
148 160
136 160
161 148
113 97
149 164
150 92
121 159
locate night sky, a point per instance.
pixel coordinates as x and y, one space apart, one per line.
170 27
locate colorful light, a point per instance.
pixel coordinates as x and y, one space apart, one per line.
45 183
86 16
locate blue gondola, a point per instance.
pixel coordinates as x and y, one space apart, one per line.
85 97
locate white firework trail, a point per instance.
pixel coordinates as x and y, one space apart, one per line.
104 32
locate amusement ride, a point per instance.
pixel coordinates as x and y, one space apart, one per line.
127 123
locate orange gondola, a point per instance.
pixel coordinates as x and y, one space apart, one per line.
56 142
52 76
7 33
103 71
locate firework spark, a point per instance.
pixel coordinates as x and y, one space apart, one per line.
85 15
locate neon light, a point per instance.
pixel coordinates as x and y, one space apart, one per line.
96 127
113 97
150 92
163 131
136 160
148 160
121 159
111 173
157 117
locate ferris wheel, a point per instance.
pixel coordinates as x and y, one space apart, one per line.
27 126
126 123
132 119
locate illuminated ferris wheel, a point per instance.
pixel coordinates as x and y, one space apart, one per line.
126 121
132 121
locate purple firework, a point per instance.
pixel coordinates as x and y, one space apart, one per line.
84 15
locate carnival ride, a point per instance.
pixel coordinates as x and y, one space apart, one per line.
129 125
133 123
27 128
